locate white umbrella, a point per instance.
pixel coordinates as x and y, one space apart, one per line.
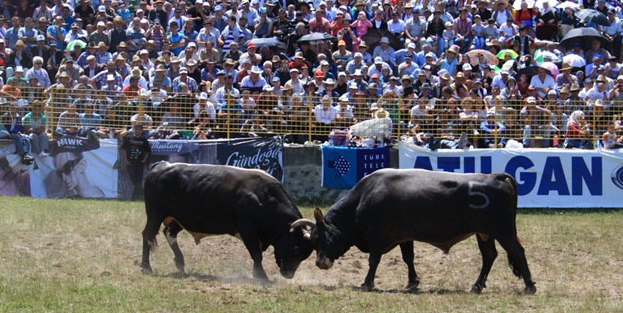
552 3
517 4
542 55
574 60
379 127
568 4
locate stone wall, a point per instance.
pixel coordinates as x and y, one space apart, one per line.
303 166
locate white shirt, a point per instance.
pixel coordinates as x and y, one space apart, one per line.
537 83
326 117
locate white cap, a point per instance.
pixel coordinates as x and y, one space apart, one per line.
531 100
467 67
267 88
378 60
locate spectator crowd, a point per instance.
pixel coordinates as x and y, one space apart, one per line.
474 73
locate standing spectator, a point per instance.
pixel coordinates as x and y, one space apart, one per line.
135 154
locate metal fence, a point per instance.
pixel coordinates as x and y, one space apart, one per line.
486 122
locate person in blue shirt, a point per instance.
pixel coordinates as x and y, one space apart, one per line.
57 32
176 39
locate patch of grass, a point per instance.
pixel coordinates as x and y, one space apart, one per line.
83 256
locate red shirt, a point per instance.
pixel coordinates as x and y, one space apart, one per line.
130 92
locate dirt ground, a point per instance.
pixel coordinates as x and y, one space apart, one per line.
225 258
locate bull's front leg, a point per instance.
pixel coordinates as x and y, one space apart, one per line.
373 262
407 256
252 243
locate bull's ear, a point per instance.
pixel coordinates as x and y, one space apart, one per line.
318 216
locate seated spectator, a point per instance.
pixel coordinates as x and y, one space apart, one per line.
578 131
34 124
492 132
90 122
69 122
11 128
610 139
325 116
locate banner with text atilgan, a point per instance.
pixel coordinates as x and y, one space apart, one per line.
546 178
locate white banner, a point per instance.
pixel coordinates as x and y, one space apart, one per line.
546 178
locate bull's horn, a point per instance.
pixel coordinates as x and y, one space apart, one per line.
301 222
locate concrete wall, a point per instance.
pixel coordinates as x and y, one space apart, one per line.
303 166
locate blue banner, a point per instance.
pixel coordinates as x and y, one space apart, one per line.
343 167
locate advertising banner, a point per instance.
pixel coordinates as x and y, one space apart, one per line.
343 167
261 153
76 167
546 178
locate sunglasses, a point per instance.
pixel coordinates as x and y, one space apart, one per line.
67 167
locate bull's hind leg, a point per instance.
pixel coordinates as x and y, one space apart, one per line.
407 256
517 261
486 245
170 233
149 241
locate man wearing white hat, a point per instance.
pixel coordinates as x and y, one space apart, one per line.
384 51
297 86
254 81
378 67
190 82
356 63
100 35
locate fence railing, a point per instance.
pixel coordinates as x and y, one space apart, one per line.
488 122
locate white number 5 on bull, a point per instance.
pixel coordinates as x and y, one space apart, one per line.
477 199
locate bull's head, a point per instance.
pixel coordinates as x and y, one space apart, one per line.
291 250
326 238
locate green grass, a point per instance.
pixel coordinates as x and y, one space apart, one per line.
83 256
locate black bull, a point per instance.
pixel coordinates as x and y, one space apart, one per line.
213 200
395 207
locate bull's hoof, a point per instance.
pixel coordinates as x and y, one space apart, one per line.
146 269
530 290
412 285
476 290
367 287
180 268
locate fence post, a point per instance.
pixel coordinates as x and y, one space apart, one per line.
51 113
399 128
141 110
229 111
310 116
496 104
